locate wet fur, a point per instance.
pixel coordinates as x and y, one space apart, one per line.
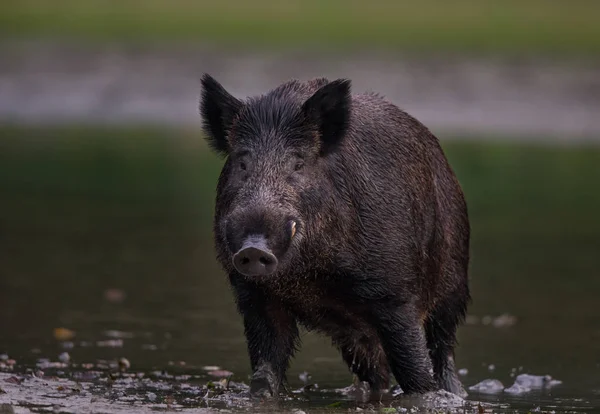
380 263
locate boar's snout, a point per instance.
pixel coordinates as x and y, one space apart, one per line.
255 258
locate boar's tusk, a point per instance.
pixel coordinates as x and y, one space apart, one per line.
293 228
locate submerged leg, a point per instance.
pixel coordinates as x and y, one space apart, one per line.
271 336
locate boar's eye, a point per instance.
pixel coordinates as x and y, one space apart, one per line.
299 166
242 166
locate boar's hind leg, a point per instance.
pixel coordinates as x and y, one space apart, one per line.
440 328
271 336
366 359
403 339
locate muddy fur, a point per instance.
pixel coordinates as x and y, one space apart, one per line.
380 256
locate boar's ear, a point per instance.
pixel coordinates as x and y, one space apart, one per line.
218 109
329 110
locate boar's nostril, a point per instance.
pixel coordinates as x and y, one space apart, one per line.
266 260
255 258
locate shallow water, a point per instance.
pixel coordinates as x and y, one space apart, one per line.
110 240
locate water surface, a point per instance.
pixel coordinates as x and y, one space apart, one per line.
106 233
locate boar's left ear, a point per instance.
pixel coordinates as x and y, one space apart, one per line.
218 108
329 110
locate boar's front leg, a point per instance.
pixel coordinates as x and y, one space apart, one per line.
404 343
271 336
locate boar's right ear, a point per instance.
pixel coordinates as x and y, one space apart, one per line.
329 110
218 108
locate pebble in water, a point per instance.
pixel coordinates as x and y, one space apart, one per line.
525 383
124 364
463 371
220 373
64 357
488 386
491 367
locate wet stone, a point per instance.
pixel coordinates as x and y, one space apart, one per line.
488 386
124 364
525 383
64 357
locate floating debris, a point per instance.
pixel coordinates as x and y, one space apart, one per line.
113 333
45 363
505 320
491 367
149 347
221 373
63 334
110 343
211 368
463 371
488 386
178 363
3 357
68 345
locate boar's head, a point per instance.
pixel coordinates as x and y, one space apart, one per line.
274 182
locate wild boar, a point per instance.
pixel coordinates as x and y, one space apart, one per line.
339 212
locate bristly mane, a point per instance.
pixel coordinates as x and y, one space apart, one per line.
280 106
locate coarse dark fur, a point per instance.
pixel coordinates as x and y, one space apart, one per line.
380 257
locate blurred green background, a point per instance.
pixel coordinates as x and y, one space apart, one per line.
509 26
117 195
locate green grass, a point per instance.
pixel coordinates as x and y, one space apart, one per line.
509 182
511 26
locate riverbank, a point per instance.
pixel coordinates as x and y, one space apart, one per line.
44 82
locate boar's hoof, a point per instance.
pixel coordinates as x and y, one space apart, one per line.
260 388
262 385
255 258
